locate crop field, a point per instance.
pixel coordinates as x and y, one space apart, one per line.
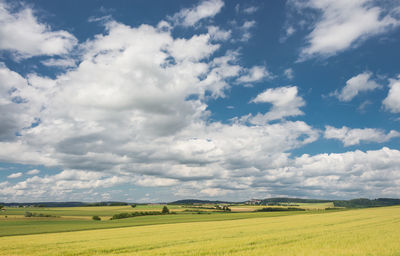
23 226
88 211
372 231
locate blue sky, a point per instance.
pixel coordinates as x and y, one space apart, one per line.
149 101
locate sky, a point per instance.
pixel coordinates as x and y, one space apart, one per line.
155 101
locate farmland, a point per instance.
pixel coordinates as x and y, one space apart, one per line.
372 231
79 218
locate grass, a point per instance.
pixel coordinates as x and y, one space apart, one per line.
373 231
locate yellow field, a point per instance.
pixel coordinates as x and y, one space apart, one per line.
374 231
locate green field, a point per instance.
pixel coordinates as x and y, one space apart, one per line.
373 231
22 226
13 222
88 211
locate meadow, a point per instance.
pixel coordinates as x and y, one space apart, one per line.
372 231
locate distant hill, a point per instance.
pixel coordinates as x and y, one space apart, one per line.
65 204
292 200
353 203
364 202
196 201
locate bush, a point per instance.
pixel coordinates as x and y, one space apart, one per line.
30 214
280 209
226 209
124 215
117 204
165 210
133 205
96 217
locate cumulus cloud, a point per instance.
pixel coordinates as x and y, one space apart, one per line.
60 185
134 112
16 112
350 137
285 102
191 16
218 34
255 74
14 175
349 174
344 175
140 83
355 85
64 63
33 172
22 34
342 24
392 101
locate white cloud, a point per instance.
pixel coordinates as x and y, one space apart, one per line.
355 85
65 63
195 48
350 137
14 175
248 24
22 34
289 73
190 17
363 106
137 115
392 101
140 83
61 185
342 24
15 111
215 192
155 182
250 10
221 68
218 34
246 10
349 174
245 30
33 172
254 74
285 102
290 31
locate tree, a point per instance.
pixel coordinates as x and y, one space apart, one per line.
96 217
133 205
226 208
165 210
